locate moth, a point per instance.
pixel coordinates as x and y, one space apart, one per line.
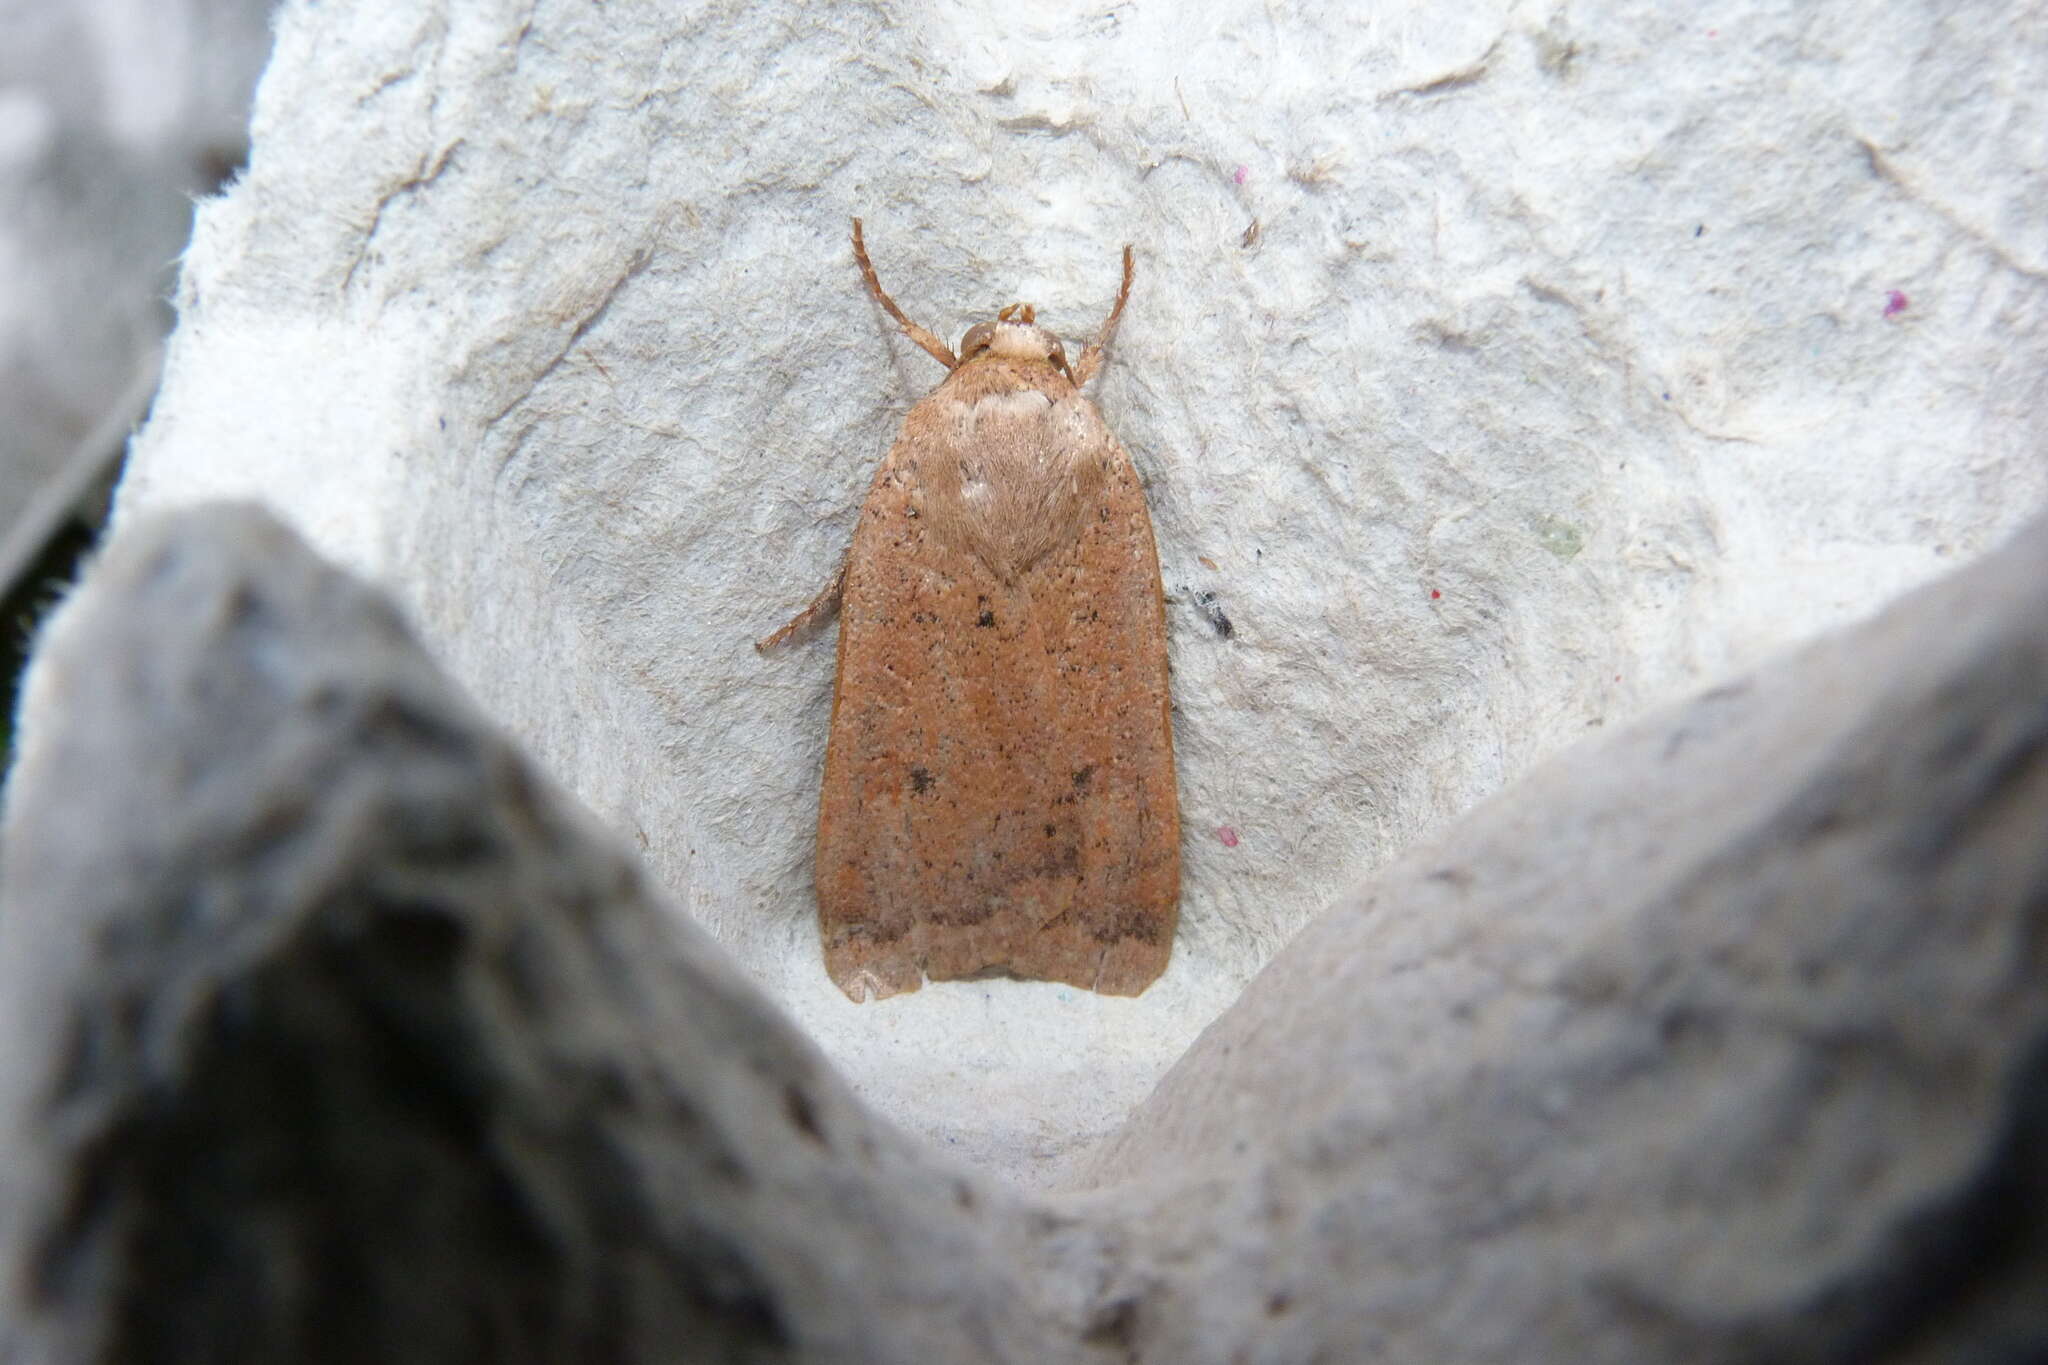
999 790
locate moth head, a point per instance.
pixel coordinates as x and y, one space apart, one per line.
1014 334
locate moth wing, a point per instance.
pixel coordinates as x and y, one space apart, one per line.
999 789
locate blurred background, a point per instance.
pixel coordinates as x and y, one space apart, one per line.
114 116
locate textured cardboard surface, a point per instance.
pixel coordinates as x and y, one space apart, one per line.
332 1030
1500 374
113 113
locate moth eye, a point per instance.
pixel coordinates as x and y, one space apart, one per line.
977 339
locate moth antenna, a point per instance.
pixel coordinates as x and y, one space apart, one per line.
938 349
1092 357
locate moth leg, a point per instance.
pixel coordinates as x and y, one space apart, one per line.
1091 358
823 608
937 348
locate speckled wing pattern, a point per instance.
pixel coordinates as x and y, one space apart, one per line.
999 787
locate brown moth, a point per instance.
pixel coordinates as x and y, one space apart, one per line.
999 792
